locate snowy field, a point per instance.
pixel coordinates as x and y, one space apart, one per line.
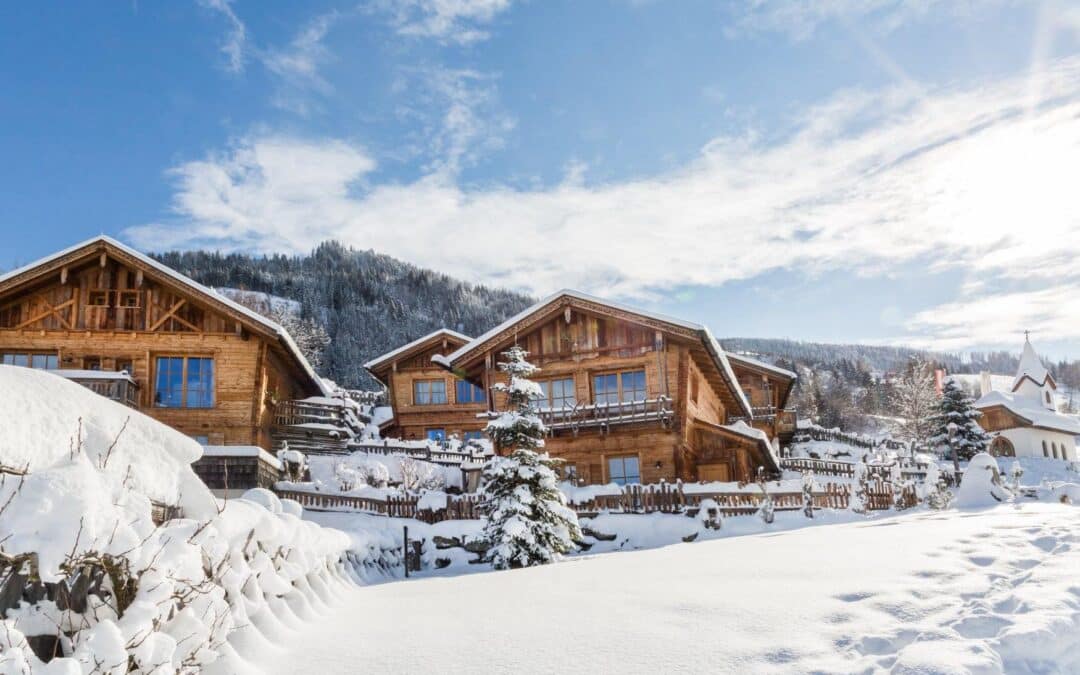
931 592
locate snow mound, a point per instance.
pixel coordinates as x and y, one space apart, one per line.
46 419
982 484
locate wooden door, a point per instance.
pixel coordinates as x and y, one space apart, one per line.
714 472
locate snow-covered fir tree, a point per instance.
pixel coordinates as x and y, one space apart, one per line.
808 494
526 520
914 400
957 408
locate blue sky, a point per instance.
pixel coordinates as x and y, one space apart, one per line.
840 170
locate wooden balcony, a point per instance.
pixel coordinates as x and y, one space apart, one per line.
607 415
119 387
777 422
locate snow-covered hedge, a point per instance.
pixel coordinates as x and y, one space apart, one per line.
196 593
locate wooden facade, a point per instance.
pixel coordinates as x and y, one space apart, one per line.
630 397
426 399
202 364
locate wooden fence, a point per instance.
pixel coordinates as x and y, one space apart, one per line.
638 499
813 433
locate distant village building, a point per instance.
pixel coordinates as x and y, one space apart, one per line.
629 396
1024 421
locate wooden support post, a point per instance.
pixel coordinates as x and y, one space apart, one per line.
405 551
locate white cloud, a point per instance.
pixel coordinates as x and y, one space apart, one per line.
451 21
968 176
297 65
801 18
234 44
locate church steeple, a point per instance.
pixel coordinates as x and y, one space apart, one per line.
1033 380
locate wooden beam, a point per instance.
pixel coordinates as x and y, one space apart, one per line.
168 314
63 275
103 259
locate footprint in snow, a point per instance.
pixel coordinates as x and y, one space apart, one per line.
853 597
982 560
1047 544
981 627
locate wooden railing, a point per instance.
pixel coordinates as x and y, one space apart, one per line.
290 413
816 434
820 467
117 389
605 415
634 499
435 455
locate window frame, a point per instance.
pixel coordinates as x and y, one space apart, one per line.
620 390
437 434
566 401
476 394
30 355
624 476
184 390
430 392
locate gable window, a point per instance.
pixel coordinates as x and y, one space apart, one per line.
429 392
437 435
558 394
467 392
624 470
626 386
184 382
30 360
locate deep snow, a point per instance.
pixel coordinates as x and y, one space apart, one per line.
992 590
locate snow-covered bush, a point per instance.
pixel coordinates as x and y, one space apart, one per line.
808 494
418 475
174 597
766 511
526 520
709 514
859 501
982 484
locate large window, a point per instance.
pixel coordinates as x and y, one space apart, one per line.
467 392
474 435
624 470
184 382
558 394
429 392
615 387
30 360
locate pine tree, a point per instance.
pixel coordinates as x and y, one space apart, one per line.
914 401
526 520
956 408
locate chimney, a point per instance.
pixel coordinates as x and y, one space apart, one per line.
984 383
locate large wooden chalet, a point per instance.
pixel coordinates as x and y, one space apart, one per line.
132 329
630 396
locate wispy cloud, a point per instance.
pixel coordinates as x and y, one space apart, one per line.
968 176
297 64
235 40
452 21
800 19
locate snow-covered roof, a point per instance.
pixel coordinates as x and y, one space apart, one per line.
711 344
389 356
192 285
1031 366
241 451
783 372
1031 411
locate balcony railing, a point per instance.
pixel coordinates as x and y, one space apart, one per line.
119 387
781 420
605 415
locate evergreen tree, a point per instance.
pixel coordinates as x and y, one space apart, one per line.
956 407
526 520
914 401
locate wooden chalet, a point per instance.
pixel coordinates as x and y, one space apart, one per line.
134 330
428 402
631 396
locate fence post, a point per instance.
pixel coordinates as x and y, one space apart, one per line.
405 551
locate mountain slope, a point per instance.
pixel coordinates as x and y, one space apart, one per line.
369 303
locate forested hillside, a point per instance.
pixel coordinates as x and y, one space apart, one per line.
369 303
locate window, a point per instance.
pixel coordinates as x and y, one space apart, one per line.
558 394
1064 451
184 382
98 299
623 470
467 392
1046 451
29 360
91 363
474 435
570 473
429 392
436 435
1048 398
202 440
615 387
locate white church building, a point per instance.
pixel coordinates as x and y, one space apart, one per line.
1024 421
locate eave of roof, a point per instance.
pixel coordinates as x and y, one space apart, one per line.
418 342
192 285
711 345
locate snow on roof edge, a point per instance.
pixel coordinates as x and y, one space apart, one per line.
273 326
761 364
378 360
